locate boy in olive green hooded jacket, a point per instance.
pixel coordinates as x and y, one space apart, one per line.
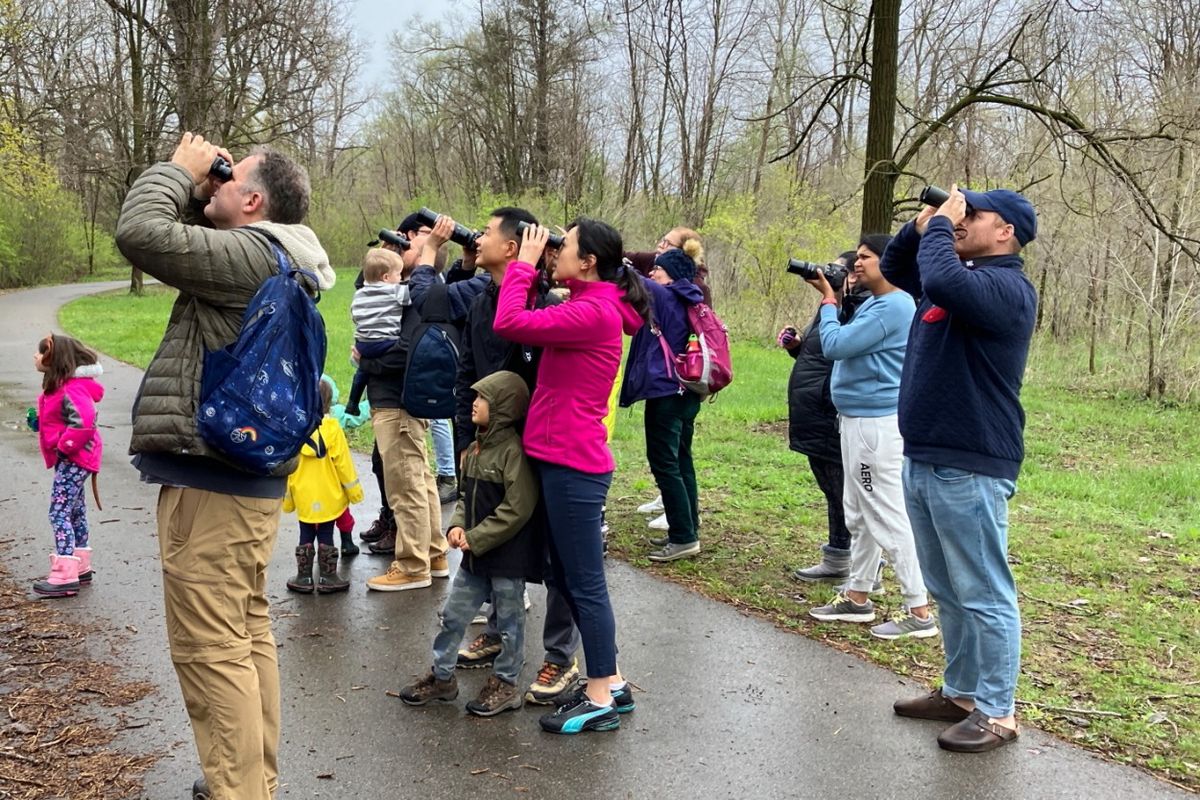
501 550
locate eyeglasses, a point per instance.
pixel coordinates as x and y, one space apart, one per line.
656 268
665 242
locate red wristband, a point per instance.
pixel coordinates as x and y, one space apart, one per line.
829 301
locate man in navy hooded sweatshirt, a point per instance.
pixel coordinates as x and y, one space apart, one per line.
963 427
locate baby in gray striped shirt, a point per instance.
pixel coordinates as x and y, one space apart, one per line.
378 311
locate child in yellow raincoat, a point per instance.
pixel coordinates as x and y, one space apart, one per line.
320 489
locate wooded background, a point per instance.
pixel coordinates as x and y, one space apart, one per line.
777 127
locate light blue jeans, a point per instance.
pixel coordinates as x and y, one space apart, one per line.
960 524
443 446
467 593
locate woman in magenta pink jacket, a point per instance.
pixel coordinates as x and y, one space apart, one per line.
566 437
72 447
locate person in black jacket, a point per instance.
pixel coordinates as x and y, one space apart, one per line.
483 353
813 429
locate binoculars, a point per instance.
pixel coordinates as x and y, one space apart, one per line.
934 196
221 169
462 236
395 239
554 241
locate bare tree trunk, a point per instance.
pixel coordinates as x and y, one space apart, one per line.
880 183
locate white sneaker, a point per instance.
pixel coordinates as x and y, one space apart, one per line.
659 523
655 506
527 603
484 610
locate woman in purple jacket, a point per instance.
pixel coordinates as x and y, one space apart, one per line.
566 438
670 408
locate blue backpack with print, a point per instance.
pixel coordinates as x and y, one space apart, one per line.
259 397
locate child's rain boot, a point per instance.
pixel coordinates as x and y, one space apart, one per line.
303 582
327 563
63 580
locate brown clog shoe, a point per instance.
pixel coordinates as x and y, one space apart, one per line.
934 705
975 734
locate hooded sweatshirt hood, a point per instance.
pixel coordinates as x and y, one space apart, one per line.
302 245
507 397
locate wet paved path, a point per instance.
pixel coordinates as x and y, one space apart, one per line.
730 707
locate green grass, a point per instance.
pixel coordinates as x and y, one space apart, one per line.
1105 534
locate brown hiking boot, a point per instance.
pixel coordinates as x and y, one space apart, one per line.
377 530
494 697
428 689
386 546
552 680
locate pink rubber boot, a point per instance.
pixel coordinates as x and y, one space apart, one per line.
85 564
64 577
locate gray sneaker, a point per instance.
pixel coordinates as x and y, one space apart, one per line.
832 568
907 625
659 541
843 609
674 552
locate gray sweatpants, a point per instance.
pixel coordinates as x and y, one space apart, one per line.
873 500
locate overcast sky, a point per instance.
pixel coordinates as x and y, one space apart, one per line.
374 22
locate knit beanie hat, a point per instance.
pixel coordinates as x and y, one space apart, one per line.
677 264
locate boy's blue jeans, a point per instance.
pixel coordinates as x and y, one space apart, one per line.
960 524
467 592
443 446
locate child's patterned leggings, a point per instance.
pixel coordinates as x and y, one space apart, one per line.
68 509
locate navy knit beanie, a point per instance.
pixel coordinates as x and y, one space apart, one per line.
677 264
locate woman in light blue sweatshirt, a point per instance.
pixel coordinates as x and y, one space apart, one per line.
868 357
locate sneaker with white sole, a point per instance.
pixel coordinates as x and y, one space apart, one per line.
843 609
481 652
659 541
673 552
579 715
397 580
552 680
660 523
655 506
907 625
481 618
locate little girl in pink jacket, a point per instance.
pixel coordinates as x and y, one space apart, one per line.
72 447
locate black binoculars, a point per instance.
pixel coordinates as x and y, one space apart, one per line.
221 169
462 236
555 240
395 239
934 196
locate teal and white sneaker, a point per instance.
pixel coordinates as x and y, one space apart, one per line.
843 609
906 625
579 715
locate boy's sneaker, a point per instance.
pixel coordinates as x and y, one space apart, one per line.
659 523
397 580
580 714
673 552
479 653
552 680
439 567
429 689
659 541
843 609
907 625
655 506
494 697
447 486
485 611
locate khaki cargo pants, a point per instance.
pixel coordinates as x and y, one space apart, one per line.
215 549
411 488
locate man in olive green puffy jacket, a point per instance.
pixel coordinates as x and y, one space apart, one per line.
209 239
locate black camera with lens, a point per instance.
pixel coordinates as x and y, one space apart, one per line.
554 239
395 239
835 273
462 236
221 169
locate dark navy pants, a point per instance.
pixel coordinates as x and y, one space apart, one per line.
573 503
